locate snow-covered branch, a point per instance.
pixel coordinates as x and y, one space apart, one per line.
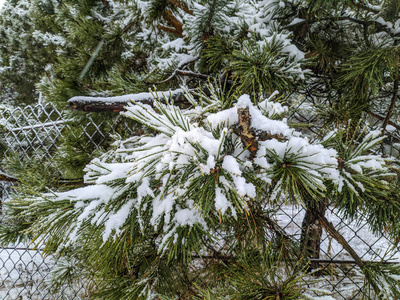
118 103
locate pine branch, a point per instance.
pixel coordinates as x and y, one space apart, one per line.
211 14
362 5
379 27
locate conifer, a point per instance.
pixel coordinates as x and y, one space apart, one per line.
275 93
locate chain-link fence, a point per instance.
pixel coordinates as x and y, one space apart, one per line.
35 131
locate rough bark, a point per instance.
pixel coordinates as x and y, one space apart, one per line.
248 135
311 233
245 132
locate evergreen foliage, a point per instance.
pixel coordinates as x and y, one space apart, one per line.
187 209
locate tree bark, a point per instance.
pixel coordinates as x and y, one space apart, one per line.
311 233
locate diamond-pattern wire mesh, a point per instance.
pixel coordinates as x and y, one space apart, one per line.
34 132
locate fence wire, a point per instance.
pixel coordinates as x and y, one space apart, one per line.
35 132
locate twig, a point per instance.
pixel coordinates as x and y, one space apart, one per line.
8 178
170 30
393 102
182 5
192 74
174 22
383 118
328 226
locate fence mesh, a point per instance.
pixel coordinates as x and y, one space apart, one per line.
35 132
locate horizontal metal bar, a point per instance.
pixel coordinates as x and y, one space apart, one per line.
344 261
21 249
40 125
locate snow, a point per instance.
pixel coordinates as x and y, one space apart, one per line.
176 45
227 117
162 207
391 128
231 165
189 217
296 21
243 188
116 220
6 175
261 122
221 203
270 108
101 192
110 171
24 275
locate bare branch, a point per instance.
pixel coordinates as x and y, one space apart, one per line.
8 178
393 102
118 103
182 5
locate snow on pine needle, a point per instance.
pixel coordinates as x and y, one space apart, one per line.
189 174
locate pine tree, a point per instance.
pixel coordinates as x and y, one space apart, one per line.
189 209
22 59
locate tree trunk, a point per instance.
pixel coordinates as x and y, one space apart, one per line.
311 233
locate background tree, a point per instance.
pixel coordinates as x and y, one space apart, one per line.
22 59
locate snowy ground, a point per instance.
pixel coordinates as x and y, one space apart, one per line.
24 275
345 280
367 245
